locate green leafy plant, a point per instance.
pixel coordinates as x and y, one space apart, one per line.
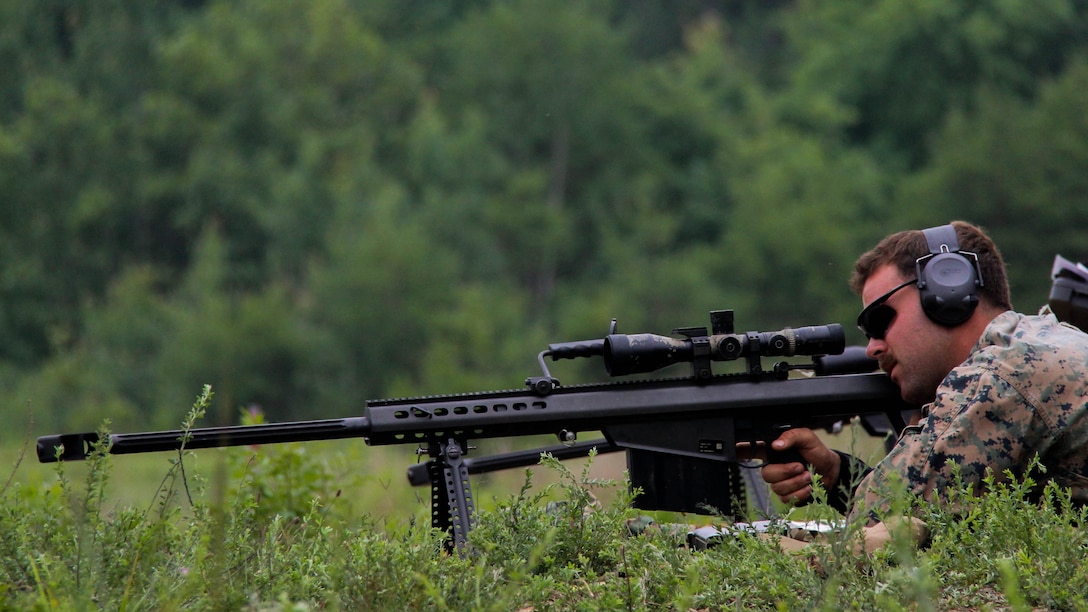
65 545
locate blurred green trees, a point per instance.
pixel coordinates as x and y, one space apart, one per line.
307 204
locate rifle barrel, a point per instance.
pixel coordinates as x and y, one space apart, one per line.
74 447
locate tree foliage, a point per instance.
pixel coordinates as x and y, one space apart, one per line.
311 203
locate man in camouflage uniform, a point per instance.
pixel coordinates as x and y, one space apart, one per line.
996 387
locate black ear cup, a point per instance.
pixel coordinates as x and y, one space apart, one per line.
948 279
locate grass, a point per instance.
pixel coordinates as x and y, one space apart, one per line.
334 526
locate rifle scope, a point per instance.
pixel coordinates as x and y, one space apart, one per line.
637 353
640 353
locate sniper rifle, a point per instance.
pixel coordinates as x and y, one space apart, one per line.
680 434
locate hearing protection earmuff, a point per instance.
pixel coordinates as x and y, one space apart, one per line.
948 278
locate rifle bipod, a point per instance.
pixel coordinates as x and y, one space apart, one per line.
451 492
745 488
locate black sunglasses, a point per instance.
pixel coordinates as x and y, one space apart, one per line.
878 316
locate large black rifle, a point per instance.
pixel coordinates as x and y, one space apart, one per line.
680 434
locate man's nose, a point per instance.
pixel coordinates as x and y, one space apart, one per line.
875 348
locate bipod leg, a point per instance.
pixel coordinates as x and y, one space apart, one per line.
451 493
440 503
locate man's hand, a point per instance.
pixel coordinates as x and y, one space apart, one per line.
792 482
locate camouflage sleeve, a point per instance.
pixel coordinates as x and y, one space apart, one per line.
978 422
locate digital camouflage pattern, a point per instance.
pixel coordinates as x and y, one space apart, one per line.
1022 392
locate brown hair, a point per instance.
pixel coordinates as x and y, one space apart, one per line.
903 249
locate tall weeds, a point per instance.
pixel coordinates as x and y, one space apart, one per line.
65 546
